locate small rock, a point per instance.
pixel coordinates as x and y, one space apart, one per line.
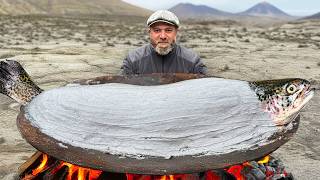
2 140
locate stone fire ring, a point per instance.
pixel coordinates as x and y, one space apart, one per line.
148 165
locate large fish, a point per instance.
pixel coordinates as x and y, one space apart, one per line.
156 125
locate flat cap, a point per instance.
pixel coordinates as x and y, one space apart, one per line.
163 16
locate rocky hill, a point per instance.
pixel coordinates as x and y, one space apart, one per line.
191 11
265 9
262 13
70 7
315 16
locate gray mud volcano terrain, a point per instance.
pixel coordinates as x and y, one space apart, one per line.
55 51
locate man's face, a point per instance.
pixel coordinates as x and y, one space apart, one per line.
163 36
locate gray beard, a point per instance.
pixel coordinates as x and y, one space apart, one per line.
164 51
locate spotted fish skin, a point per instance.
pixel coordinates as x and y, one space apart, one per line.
284 98
16 83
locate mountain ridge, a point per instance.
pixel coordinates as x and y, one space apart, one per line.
70 7
195 11
203 12
264 9
314 16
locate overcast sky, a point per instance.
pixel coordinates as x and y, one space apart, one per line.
292 7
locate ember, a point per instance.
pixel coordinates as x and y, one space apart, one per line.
46 167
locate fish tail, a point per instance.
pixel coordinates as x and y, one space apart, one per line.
16 83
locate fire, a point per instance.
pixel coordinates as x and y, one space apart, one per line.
157 177
264 160
75 172
71 169
170 177
41 167
94 174
82 172
237 170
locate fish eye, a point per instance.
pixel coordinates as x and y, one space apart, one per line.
291 89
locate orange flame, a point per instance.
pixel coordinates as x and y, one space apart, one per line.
264 160
71 169
236 171
168 177
41 166
159 177
163 178
81 173
94 174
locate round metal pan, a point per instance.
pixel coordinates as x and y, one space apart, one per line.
150 165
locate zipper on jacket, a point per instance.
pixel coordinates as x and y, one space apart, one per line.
162 64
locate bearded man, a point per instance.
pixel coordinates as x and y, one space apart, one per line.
162 54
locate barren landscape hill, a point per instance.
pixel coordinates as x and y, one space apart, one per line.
265 9
315 16
70 7
17 7
260 14
188 10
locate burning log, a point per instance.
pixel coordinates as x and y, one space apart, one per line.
226 143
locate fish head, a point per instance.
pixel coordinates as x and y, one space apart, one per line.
283 99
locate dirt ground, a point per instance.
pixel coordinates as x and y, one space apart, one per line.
55 51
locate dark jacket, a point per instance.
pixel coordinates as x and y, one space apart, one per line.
145 60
